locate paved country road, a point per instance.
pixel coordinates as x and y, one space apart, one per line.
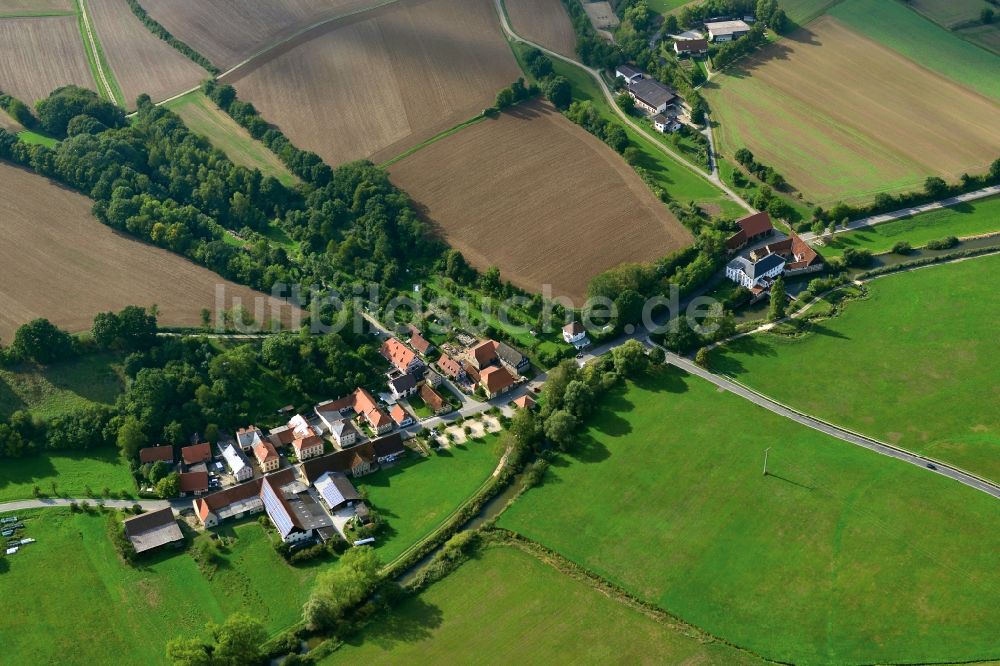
832 430
147 505
913 210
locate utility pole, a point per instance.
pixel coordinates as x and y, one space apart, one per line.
765 460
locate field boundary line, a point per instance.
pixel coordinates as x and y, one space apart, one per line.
437 137
94 51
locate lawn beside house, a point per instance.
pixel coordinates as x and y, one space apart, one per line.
521 601
72 473
665 497
869 369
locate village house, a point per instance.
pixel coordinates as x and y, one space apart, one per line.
525 402
666 124
236 461
756 274
153 530
308 447
300 427
362 403
196 454
433 400
451 367
496 380
629 73
266 456
355 462
419 342
433 378
726 31
344 433
400 416
798 255
511 358
237 501
388 449
651 96
281 436
575 334
483 355
193 483
248 438
402 357
752 228
691 47
152 454
401 386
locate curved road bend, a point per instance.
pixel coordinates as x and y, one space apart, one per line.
712 178
826 428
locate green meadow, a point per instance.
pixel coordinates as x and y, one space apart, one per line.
837 555
72 474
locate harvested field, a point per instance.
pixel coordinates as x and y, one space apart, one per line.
35 7
9 123
949 13
373 85
62 264
843 118
544 22
141 61
539 197
38 55
229 31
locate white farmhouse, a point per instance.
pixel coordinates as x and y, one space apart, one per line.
757 273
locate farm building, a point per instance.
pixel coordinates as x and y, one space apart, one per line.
726 31
496 380
193 483
238 501
196 454
798 255
752 228
294 513
691 46
336 490
665 124
236 461
362 403
153 530
511 358
651 96
755 272
356 461
152 454
629 73
388 449
433 400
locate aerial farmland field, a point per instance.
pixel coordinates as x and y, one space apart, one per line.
202 116
9 123
38 55
539 197
843 117
949 13
373 85
544 22
930 325
98 269
142 62
838 555
229 31
525 602
35 7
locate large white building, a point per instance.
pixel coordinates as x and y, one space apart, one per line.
726 31
757 273
237 462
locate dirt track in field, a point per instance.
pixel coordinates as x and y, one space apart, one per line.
59 262
229 31
38 55
374 85
539 197
141 61
842 117
544 22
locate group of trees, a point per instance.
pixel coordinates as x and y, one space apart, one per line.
765 173
514 94
157 29
589 118
17 110
557 88
237 642
593 49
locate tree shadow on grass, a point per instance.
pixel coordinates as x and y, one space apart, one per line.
414 622
10 402
821 329
787 480
589 450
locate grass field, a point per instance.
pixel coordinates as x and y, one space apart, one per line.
201 115
487 186
38 55
914 365
28 136
99 269
506 606
544 22
969 219
838 555
893 25
682 184
843 117
141 61
949 13
415 496
86 586
666 6
48 391
72 473
375 84
803 11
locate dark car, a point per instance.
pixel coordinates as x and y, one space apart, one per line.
931 466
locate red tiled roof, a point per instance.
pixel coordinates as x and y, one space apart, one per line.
496 379
756 224
156 453
398 414
310 442
485 353
264 452
525 402
192 455
398 354
194 481
431 397
418 341
451 367
689 45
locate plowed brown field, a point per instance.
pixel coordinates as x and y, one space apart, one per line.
373 85
544 22
38 55
229 31
142 62
61 263
540 198
32 7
